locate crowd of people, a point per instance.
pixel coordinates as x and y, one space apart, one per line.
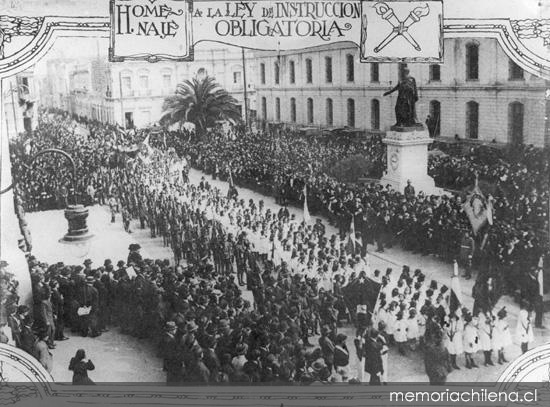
283 163
304 283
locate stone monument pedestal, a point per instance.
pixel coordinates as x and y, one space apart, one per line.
407 159
78 232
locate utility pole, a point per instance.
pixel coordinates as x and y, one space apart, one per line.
121 102
13 108
245 92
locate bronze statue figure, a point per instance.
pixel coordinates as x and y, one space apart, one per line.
407 96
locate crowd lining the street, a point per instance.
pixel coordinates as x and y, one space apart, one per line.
299 276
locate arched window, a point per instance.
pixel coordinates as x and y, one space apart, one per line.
329 112
472 62
309 110
472 120
264 108
435 73
277 71
293 110
328 69
309 71
515 122
434 121
292 72
262 73
166 78
351 112
374 72
375 114
143 75
126 78
277 109
515 73
350 68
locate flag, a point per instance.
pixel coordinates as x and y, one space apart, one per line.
362 292
231 190
455 299
307 217
353 242
476 208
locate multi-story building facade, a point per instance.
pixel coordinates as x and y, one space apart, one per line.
477 93
132 93
20 97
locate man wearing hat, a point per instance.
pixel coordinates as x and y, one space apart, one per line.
87 266
172 361
88 302
341 358
134 256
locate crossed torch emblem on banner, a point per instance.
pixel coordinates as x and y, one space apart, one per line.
400 28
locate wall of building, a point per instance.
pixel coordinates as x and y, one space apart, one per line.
494 90
108 91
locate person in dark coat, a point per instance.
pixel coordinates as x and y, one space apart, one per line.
58 305
373 358
88 297
134 256
28 338
45 316
327 347
436 360
80 366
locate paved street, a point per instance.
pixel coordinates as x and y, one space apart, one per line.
122 358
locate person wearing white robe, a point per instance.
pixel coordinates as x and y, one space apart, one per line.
453 334
502 337
486 332
524 329
471 340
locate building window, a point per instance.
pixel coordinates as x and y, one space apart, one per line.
472 120
277 109
264 108
350 68
401 68
515 122
126 83
472 62
236 77
167 80
277 71
328 69
374 72
144 81
375 114
293 110
515 71
435 73
262 74
309 110
434 121
351 113
292 72
309 71
329 112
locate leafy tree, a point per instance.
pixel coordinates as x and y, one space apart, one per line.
202 102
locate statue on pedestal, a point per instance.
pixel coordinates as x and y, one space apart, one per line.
407 96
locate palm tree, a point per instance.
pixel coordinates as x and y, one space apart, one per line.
202 102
